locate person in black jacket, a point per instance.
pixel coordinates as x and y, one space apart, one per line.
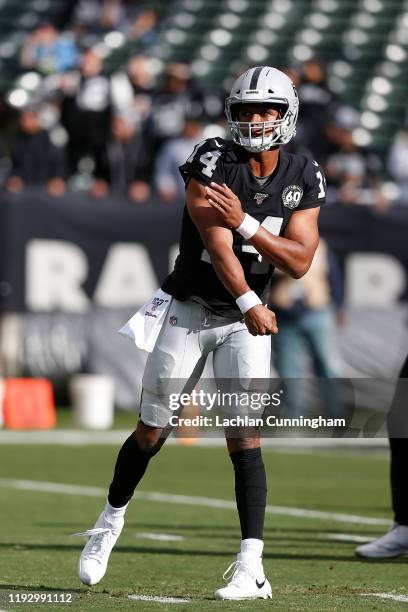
86 111
36 161
125 165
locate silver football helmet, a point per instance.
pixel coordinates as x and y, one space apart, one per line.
263 84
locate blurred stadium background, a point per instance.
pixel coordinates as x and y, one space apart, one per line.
102 100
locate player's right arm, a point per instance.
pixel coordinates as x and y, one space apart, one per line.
217 239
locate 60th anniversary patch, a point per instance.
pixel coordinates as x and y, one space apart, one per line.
291 196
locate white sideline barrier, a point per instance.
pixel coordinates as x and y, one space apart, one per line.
92 399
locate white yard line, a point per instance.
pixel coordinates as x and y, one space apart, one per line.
74 437
64 437
403 598
345 537
169 498
158 599
51 487
160 537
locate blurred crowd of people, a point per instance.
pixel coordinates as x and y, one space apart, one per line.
124 133
118 134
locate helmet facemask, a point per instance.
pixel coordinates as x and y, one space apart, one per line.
261 135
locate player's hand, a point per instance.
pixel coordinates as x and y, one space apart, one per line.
260 321
56 187
226 203
138 192
15 184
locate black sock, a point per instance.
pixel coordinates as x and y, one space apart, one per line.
399 489
250 491
130 467
399 450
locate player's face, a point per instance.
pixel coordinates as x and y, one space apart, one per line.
257 114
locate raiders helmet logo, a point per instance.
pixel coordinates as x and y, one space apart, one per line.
291 196
260 197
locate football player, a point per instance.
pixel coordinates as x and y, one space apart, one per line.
250 206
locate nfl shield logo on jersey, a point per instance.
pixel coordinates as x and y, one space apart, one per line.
173 321
260 197
291 196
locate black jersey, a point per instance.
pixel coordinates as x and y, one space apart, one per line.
297 183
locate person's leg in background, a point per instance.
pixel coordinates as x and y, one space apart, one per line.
399 448
395 542
288 347
319 331
399 479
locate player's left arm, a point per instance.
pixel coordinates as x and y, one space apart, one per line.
292 253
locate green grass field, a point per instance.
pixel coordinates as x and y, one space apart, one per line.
307 568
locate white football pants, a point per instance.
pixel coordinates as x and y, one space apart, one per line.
189 333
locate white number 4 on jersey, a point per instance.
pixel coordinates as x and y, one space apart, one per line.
209 159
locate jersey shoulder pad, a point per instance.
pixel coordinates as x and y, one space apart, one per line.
206 162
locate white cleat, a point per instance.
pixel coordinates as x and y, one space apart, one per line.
248 581
392 544
94 558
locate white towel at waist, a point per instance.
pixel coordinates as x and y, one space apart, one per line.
144 327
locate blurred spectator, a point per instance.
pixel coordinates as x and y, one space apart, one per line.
397 163
132 90
143 28
298 145
294 74
35 160
99 15
125 167
135 20
306 310
48 51
173 153
111 14
87 12
353 172
86 111
317 102
171 103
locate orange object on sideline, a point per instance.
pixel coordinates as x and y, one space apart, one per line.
187 434
29 404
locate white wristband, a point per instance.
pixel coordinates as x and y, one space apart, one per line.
247 300
248 227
